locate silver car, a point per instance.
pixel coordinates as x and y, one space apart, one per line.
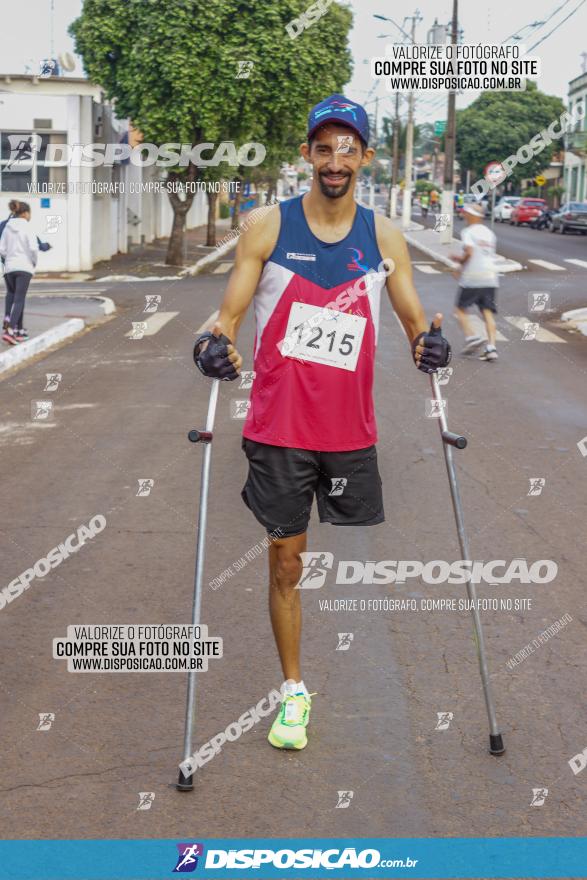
572 215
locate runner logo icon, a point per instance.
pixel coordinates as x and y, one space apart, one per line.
539 795
315 567
344 641
187 860
444 719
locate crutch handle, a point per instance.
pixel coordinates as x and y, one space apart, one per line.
200 436
454 439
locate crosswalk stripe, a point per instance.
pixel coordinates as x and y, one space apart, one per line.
542 335
208 323
544 264
221 268
156 322
581 263
427 270
479 328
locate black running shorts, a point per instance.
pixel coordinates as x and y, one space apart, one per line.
282 482
482 297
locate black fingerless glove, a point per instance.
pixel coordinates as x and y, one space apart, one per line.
437 351
213 361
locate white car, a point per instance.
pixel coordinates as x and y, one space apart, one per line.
505 206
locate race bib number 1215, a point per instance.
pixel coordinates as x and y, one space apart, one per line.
325 336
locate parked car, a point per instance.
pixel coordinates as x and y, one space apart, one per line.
526 210
572 215
505 206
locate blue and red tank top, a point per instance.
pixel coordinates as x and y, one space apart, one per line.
320 397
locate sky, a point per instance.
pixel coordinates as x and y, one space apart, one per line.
489 22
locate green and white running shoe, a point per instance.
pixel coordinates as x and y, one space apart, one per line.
288 731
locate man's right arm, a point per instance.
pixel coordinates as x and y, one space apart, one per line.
253 250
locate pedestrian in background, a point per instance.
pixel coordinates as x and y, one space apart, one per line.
424 203
478 280
19 250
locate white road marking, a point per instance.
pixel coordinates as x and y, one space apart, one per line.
403 329
542 335
221 268
544 264
581 263
427 270
156 322
208 323
479 328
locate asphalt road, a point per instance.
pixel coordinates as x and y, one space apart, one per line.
121 414
527 245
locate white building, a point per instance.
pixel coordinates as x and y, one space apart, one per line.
576 144
92 226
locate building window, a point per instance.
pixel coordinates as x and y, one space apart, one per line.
23 162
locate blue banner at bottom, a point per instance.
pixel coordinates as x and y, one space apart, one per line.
288 858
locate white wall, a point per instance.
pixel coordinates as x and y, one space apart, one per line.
93 226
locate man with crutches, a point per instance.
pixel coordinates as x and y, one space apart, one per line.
315 267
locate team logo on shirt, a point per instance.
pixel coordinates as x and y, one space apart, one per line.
309 257
355 265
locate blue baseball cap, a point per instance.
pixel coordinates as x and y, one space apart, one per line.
337 108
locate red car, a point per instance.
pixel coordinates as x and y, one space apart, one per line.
526 210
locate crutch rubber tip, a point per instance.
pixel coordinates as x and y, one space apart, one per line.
185 783
496 746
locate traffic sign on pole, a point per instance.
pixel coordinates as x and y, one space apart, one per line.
439 127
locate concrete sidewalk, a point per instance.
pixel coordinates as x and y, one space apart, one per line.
147 262
428 241
51 319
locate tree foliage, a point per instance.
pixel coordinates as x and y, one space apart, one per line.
172 68
497 124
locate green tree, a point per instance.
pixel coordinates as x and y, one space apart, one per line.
173 69
497 124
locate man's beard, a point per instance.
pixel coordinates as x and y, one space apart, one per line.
334 192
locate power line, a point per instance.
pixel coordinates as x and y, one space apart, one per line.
538 26
437 102
571 13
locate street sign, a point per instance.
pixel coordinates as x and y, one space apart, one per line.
439 127
540 180
495 173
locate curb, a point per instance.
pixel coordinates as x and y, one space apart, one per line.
25 350
188 271
107 304
512 265
429 251
121 279
214 255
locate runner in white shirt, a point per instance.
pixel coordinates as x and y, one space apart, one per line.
478 280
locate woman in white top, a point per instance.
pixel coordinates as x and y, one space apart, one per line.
19 250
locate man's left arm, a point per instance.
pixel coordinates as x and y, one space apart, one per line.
426 350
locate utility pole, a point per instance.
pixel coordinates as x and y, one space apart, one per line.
376 120
407 201
447 205
392 204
